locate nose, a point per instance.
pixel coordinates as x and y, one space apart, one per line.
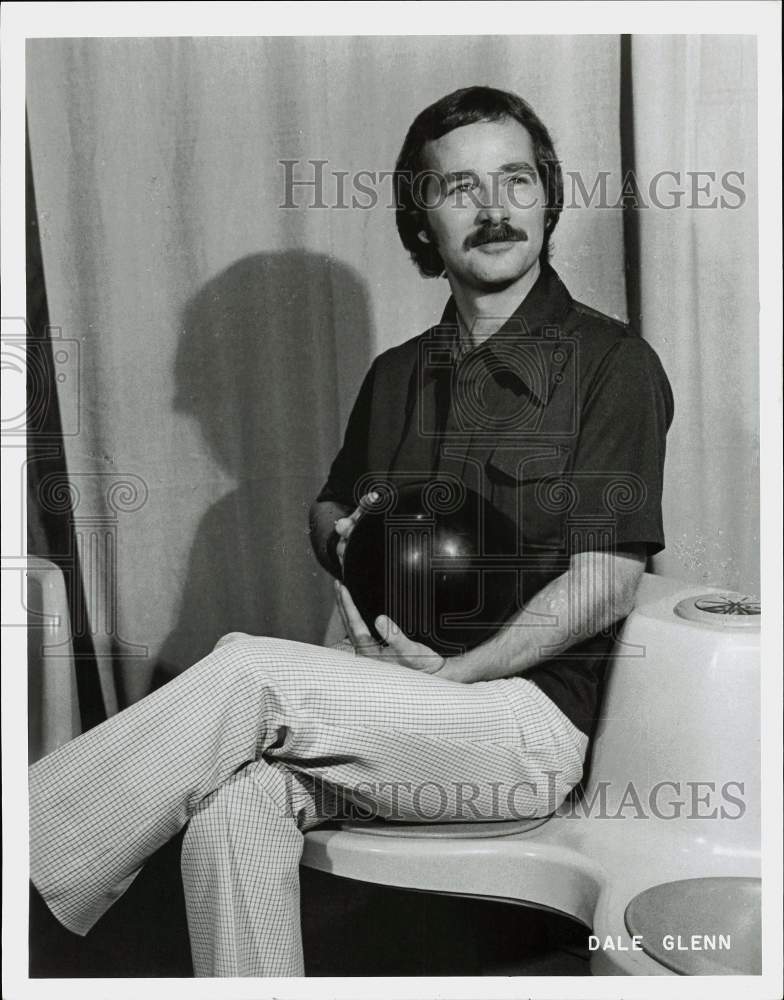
494 207
492 215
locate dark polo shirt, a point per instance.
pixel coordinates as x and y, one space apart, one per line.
559 420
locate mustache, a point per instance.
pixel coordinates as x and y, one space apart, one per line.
502 233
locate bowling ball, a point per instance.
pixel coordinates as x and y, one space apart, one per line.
438 560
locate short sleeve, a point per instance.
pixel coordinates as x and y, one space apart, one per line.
352 459
619 461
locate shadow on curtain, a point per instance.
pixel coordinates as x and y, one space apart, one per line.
250 357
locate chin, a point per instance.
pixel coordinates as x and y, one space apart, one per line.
504 269
501 277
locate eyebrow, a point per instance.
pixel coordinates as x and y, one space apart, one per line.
521 166
514 168
457 175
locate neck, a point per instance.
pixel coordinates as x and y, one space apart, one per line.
482 313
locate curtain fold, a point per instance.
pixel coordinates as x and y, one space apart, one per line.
49 361
695 110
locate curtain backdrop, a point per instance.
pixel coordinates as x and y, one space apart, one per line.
222 338
695 109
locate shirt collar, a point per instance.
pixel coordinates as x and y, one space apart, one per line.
534 328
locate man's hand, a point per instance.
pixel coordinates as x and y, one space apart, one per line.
396 647
597 590
345 525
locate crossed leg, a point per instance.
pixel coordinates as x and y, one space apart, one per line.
248 746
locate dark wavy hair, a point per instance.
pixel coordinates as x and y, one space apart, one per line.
466 107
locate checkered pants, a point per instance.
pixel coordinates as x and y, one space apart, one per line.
255 744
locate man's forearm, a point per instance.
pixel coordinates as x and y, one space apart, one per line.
323 515
597 590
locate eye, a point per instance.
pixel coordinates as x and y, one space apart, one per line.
523 179
464 185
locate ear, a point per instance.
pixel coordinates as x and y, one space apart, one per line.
423 236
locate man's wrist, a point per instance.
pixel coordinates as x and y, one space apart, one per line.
458 669
487 662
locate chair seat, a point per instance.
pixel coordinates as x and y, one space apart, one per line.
714 907
443 831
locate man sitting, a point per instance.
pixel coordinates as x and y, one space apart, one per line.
557 415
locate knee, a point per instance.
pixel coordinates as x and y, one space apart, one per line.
243 817
237 804
231 637
251 656
241 657
258 648
258 673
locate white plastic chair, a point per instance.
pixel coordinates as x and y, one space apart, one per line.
52 699
681 704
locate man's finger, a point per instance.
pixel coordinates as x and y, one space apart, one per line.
358 630
343 524
402 645
342 611
366 503
407 652
392 633
369 500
